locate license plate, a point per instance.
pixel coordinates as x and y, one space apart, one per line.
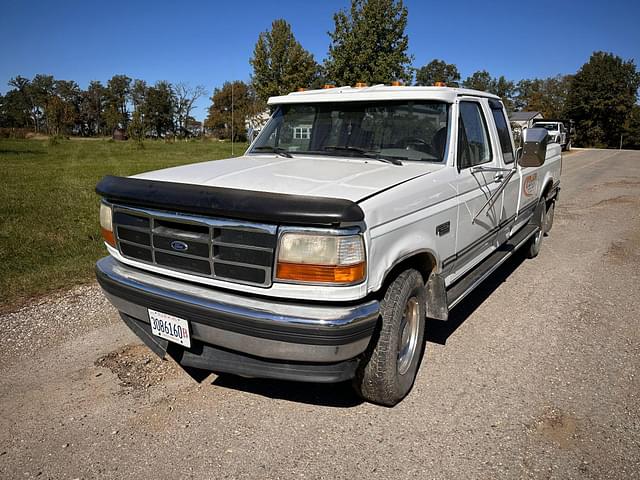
169 327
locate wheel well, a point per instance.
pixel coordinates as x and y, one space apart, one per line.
423 262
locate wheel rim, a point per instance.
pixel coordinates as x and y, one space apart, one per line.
549 217
538 236
408 338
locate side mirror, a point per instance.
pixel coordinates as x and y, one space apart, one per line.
534 147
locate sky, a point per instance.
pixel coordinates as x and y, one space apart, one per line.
209 42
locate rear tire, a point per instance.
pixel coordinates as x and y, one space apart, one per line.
386 374
548 222
535 242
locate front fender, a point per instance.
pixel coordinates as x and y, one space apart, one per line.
391 249
418 217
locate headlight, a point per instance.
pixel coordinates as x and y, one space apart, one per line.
106 224
320 258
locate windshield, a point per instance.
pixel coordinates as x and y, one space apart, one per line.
548 126
402 130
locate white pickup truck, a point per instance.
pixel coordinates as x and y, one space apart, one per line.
319 254
557 132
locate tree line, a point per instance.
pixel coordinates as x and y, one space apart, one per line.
367 44
60 107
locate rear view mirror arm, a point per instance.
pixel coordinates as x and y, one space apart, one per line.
494 196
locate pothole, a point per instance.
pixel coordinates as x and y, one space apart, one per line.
137 367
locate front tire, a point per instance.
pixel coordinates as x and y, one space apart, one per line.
387 372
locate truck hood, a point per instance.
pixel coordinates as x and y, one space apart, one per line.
332 177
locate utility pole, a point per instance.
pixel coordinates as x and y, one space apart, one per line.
231 118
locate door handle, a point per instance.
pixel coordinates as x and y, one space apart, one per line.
498 178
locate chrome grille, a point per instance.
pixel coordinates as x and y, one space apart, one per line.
223 249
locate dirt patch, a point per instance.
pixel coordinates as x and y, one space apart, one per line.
36 136
571 211
619 200
564 212
624 251
137 368
627 182
556 426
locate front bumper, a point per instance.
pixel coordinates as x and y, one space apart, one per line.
243 334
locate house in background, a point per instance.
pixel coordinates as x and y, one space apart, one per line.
194 128
255 123
302 132
525 119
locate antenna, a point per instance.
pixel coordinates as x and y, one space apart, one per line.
232 117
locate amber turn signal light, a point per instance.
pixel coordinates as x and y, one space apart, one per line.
302 272
106 224
108 236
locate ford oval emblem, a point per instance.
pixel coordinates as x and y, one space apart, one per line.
179 246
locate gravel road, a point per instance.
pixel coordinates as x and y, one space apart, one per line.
537 375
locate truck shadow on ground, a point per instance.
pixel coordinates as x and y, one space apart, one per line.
341 395
438 331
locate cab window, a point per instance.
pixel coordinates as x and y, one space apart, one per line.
474 147
503 131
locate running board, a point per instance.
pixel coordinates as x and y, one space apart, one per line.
464 286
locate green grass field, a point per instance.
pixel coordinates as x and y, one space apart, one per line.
49 231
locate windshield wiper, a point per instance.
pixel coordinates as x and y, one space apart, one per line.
277 150
366 153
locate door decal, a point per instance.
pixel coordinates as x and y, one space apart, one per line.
530 185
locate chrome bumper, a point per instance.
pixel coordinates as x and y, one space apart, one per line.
260 327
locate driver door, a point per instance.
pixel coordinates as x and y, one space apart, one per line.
477 224
511 193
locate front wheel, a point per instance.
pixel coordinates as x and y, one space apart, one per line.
387 372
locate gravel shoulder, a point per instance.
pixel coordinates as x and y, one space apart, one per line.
537 375
49 321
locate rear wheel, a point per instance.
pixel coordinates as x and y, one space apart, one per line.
548 222
535 242
387 372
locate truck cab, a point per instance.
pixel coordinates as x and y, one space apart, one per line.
318 255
